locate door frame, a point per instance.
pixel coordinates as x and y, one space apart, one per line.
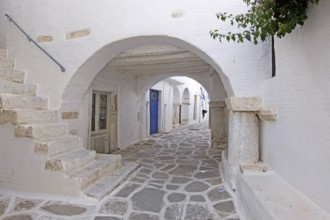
112 120
158 111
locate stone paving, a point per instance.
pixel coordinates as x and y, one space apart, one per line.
178 179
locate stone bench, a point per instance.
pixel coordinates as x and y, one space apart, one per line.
264 195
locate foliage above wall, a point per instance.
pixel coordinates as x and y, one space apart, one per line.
264 18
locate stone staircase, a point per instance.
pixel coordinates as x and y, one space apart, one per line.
96 175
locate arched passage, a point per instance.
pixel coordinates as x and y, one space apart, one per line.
81 80
128 74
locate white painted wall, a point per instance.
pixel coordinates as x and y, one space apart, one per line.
166 100
132 110
297 144
242 67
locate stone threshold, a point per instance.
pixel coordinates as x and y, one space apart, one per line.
264 195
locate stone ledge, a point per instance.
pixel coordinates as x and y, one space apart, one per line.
267 114
244 104
265 195
257 168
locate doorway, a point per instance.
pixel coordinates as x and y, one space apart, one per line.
154 104
100 122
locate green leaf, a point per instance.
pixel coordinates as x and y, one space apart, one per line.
265 18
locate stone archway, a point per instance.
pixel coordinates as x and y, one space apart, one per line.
79 82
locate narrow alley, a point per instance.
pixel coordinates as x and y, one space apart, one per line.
178 178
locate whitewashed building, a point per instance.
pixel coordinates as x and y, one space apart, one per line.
116 53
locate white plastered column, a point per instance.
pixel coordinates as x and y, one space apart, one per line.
243 136
218 123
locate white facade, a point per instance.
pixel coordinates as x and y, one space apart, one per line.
93 41
296 145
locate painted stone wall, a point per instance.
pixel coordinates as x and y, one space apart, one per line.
296 145
85 36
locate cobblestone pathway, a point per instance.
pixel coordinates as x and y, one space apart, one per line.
178 179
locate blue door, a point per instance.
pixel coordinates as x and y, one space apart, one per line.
153 111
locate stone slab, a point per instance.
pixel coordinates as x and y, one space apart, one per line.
244 104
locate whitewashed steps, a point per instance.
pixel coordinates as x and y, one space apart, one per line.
57 145
12 75
97 168
107 184
23 116
17 88
69 161
42 130
11 101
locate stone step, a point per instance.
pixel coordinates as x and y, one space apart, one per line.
12 75
11 101
24 116
3 53
57 145
69 161
6 63
107 184
96 169
42 130
17 88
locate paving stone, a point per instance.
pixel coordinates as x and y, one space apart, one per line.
210 161
197 198
115 207
106 218
156 185
19 217
187 161
137 180
196 186
63 209
147 166
200 157
172 187
142 176
148 161
197 212
174 212
23 205
168 167
181 180
207 168
217 194
207 174
148 199
142 216
184 145
225 208
199 151
176 197
146 171
166 158
213 182
127 190
159 165
183 153
157 181
160 175
184 170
